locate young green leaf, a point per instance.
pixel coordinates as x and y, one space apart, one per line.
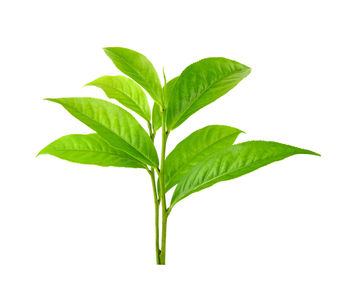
168 90
231 163
139 68
156 117
156 111
89 149
117 126
194 148
127 92
200 84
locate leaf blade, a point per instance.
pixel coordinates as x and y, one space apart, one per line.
156 117
156 111
194 148
125 91
200 84
231 163
169 90
138 67
89 149
118 127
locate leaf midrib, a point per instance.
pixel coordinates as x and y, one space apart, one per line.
131 67
172 176
196 98
112 133
127 95
93 151
240 169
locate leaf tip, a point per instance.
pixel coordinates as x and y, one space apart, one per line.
315 154
55 100
98 81
108 50
248 70
88 84
42 152
308 152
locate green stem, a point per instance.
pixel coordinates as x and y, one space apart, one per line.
156 206
162 190
156 200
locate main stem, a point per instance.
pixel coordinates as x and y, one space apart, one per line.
156 201
156 207
162 190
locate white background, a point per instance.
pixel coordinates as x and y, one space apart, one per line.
64 225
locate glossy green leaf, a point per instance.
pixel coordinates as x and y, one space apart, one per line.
194 148
231 163
169 90
117 126
89 149
156 117
137 67
127 92
200 84
156 111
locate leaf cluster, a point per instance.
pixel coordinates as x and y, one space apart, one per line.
204 158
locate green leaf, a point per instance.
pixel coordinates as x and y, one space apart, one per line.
127 92
89 149
168 90
196 147
117 126
231 163
200 84
137 67
156 111
156 117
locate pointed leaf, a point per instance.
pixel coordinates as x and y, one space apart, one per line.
89 149
118 127
231 163
156 117
168 90
194 148
127 92
137 67
200 84
156 112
